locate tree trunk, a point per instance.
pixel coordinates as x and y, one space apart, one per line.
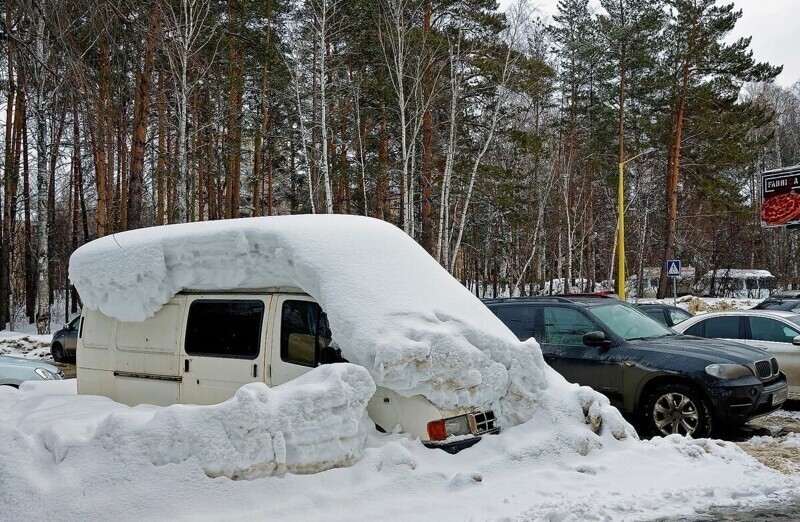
6 231
30 269
160 161
141 110
76 191
674 167
42 183
426 189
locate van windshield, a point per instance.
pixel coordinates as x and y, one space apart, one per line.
629 323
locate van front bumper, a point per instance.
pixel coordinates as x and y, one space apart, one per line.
454 446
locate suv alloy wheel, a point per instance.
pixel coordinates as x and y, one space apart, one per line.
675 408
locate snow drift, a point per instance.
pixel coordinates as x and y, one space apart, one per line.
313 423
89 458
392 308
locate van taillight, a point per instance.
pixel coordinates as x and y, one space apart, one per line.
437 430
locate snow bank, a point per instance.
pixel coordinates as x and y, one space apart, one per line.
392 308
313 423
88 458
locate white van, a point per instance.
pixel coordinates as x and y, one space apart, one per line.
201 347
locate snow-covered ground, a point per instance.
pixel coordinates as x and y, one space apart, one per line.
74 457
306 450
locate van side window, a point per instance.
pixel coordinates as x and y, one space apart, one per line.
225 328
304 331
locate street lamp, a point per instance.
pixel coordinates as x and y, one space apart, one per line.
621 228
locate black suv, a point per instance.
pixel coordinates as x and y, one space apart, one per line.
788 300
670 383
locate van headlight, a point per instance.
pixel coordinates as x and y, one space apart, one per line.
46 375
728 371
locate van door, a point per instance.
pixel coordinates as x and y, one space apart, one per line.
223 346
299 332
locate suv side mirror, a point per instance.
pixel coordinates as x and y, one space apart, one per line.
597 338
65 327
796 341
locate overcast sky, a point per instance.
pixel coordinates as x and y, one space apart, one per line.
773 24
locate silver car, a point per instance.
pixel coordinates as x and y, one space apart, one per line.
777 332
16 370
65 341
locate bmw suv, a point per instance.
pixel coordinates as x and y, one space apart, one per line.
666 382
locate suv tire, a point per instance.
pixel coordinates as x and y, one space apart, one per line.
677 408
58 353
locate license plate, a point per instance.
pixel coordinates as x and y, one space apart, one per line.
780 397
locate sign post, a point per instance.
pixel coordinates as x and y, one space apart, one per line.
674 272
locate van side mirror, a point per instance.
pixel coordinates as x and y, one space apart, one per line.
597 339
796 341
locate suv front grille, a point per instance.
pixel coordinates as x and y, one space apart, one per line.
767 369
484 422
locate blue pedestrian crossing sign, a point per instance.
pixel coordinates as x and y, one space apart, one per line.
674 268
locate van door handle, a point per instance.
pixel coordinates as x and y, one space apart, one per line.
255 370
186 365
629 363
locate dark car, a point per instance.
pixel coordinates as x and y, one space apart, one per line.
666 382
65 341
665 314
787 301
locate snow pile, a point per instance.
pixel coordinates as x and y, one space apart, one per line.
27 346
314 423
392 308
88 458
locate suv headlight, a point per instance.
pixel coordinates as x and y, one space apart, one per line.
728 371
46 375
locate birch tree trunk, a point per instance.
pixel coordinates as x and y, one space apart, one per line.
42 179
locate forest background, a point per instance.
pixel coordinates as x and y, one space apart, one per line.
492 138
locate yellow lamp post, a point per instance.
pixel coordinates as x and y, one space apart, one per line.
621 227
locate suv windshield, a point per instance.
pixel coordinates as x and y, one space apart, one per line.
628 322
778 304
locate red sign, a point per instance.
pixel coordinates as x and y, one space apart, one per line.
780 197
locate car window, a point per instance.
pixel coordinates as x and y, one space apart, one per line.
225 328
519 319
73 326
678 315
696 329
726 327
765 329
304 331
629 322
658 315
566 326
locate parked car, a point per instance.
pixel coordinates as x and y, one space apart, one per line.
788 300
777 332
667 382
65 341
16 370
665 314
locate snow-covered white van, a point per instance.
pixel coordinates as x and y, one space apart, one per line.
188 313
202 346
